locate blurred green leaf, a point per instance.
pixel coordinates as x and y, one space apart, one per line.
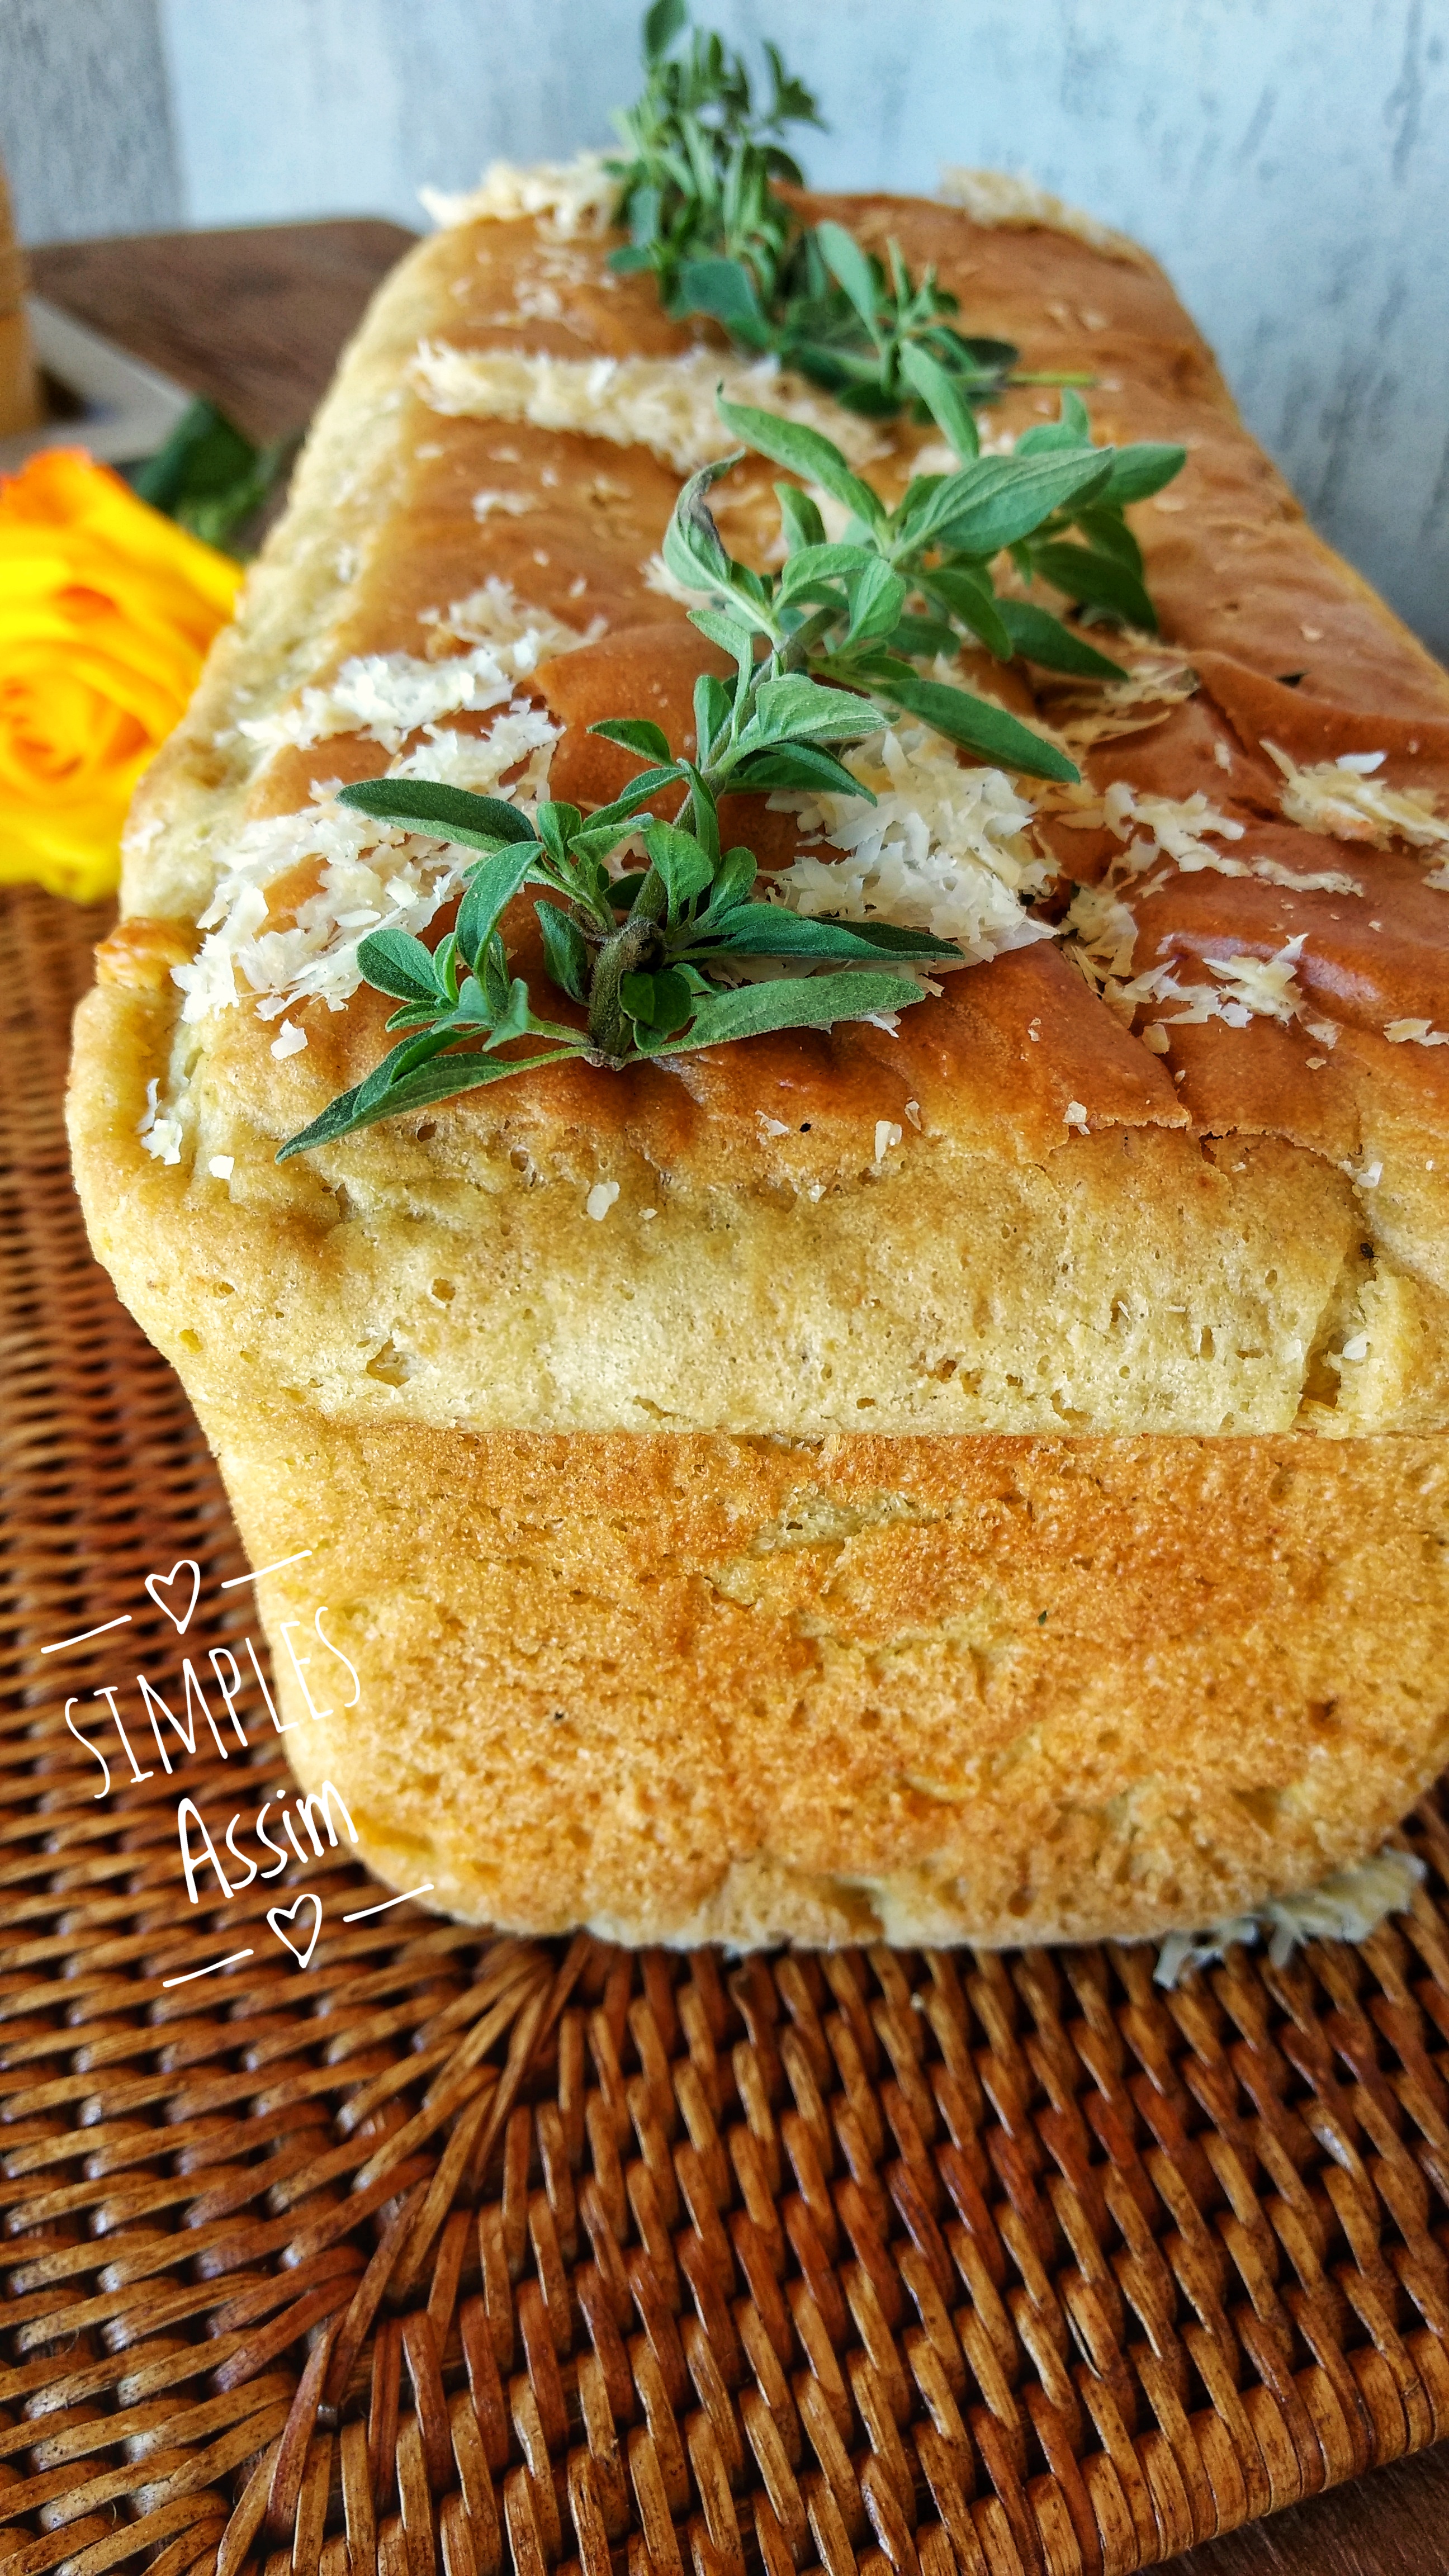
209 477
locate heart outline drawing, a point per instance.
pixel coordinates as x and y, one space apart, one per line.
156 1584
280 1914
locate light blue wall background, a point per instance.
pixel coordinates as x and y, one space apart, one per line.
1287 159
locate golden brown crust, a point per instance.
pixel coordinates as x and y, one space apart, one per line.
1144 1680
138 956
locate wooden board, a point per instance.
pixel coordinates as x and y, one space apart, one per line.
255 319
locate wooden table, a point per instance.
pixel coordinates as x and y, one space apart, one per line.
256 319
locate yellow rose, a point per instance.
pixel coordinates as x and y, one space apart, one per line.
106 611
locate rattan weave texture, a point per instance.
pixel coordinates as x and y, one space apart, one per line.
448 2252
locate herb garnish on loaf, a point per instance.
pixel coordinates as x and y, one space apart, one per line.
698 195
653 956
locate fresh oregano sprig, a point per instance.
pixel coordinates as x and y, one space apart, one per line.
905 585
640 954
1103 572
698 196
698 182
824 651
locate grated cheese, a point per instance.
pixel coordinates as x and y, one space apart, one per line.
943 849
371 873
387 696
1176 825
1346 1906
600 1199
564 197
493 614
1266 986
1008 201
1415 1033
1100 929
1101 933
1100 711
160 1135
163 1138
222 1166
1301 881
1342 798
1256 988
664 404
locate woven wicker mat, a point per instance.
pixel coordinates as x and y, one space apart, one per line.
446 2250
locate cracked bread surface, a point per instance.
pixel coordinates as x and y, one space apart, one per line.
1171 1283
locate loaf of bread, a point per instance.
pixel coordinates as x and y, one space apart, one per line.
978 1479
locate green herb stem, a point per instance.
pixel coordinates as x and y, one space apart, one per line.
634 949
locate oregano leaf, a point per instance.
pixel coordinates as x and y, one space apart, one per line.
801 766
1000 498
712 704
729 633
795 1002
491 888
664 22
693 548
1140 470
1096 581
444 1080
944 400
725 290
394 962
973 603
662 1001
989 731
771 930
799 517
679 861
803 451
733 879
565 951
1042 638
852 268
444 813
637 734
795 709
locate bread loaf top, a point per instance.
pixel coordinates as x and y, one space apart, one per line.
1040 1200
